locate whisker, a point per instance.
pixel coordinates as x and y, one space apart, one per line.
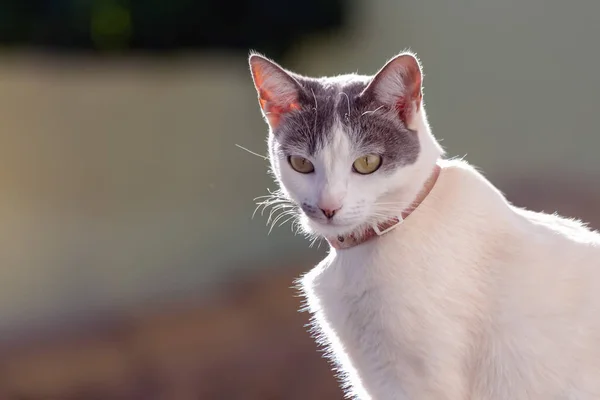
273 211
348 100
296 225
275 206
255 210
272 195
266 196
313 241
274 202
280 209
251 152
282 215
316 111
372 111
287 220
263 205
320 243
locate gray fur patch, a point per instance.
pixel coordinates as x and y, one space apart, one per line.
371 126
377 128
309 127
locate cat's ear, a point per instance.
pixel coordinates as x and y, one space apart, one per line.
398 85
278 91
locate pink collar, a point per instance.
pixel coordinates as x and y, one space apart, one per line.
354 239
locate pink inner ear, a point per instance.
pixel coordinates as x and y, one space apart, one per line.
273 104
273 110
413 93
404 105
398 85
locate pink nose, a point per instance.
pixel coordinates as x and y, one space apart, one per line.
329 213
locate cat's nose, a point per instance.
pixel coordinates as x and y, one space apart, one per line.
329 213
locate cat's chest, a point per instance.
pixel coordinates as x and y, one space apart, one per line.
364 293
366 284
367 302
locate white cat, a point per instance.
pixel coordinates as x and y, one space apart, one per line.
435 287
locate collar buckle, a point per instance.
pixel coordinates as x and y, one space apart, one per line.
380 232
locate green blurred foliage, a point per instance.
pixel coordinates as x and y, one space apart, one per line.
164 25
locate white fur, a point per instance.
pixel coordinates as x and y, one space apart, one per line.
470 298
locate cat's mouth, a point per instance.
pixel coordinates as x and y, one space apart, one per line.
330 227
327 221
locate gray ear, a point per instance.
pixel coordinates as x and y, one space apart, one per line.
398 85
277 90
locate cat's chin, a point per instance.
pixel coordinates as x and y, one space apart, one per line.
329 229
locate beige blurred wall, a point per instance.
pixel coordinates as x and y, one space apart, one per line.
121 184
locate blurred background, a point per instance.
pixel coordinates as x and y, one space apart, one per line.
130 267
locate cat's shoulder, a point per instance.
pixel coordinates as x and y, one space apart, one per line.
461 183
457 171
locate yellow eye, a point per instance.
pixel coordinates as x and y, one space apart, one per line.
301 164
367 164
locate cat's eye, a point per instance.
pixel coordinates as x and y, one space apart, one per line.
301 164
367 164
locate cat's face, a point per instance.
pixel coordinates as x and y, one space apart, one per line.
343 149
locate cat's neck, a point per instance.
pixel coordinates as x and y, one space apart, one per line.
425 189
371 232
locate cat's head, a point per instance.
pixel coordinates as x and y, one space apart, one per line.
349 151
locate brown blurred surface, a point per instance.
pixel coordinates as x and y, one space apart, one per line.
249 343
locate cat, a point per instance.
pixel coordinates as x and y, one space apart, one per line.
435 286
